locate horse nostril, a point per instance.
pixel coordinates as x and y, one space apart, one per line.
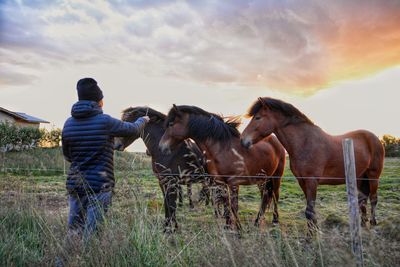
245 143
164 148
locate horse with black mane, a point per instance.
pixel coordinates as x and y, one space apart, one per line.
316 158
185 165
229 162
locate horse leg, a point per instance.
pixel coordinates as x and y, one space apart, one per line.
189 192
205 194
363 194
216 197
373 198
171 193
310 210
276 184
219 196
180 195
167 217
234 203
309 188
227 209
265 202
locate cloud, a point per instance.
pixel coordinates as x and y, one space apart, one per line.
23 31
283 45
12 78
127 7
90 10
67 18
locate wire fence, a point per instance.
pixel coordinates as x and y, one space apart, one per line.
141 168
64 172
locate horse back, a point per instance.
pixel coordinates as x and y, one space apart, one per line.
368 151
266 155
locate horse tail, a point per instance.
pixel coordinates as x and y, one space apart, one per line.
281 165
369 186
373 173
377 159
377 152
277 175
266 192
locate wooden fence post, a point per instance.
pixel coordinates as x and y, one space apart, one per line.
352 199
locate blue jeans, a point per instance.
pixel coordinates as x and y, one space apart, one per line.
87 211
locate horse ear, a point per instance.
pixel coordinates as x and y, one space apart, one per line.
262 102
176 109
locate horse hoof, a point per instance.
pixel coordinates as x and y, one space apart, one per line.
373 222
238 235
169 231
170 228
227 227
275 222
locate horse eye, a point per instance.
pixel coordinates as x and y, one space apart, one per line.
257 118
170 124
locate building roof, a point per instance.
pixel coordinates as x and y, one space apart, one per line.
23 116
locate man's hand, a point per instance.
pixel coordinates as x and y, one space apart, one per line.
146 118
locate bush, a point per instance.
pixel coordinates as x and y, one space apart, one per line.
14 138
50 138
17 138
392 145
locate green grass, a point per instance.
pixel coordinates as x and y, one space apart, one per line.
33 214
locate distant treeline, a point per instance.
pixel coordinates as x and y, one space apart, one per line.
392 145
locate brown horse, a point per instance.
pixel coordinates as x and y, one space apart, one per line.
227 160
185 165
314 153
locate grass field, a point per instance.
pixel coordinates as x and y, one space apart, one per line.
33 214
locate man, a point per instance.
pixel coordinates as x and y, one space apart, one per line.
88 143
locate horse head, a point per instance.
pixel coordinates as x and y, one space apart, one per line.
176 129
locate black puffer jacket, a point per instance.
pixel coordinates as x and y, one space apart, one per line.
88 143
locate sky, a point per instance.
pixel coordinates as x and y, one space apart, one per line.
337 61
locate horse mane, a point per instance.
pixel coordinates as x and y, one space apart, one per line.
288 110
204 125
133 113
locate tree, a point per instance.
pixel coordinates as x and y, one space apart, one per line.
392 145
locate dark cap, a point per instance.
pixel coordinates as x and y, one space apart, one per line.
89 90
